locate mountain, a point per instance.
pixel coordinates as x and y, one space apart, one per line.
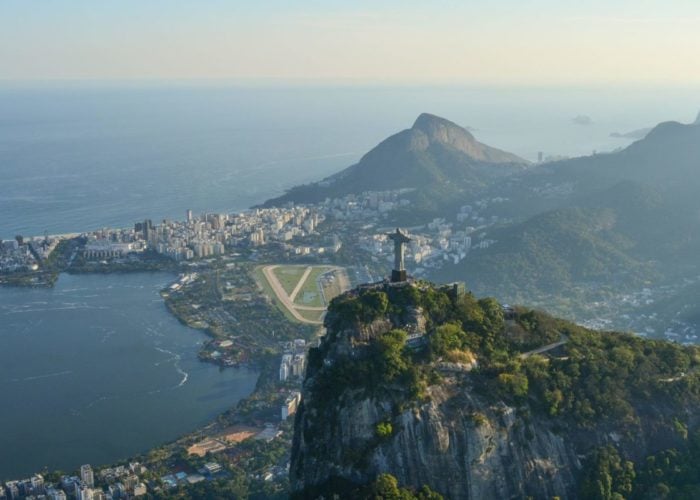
608 223
667 155
634 134
442 390
556 251
434 154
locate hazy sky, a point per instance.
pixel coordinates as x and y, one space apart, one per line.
466 41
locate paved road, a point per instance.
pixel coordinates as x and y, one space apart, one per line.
562 340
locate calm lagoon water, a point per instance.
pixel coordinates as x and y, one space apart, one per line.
97 369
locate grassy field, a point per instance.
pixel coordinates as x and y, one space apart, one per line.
289 276
310 294
334 284
312 315
321 284
262 281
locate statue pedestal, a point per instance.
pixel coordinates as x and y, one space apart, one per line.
398 276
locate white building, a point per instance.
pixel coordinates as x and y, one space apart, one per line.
87 476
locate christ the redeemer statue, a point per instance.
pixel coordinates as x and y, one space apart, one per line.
398 274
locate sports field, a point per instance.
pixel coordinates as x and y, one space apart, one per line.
303 292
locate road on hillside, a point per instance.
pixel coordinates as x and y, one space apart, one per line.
562 340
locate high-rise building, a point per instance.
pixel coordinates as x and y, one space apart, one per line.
87 476
189 215
82 491
12 488
37 481
56 494
284 371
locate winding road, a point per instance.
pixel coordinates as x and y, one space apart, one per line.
562 340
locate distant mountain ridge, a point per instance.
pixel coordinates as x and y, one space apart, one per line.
645 199
433 153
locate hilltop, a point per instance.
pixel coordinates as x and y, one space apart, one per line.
434 155
440 389
616 220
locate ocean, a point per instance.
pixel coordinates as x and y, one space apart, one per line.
96 369
83 156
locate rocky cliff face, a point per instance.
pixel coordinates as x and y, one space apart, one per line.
461 445
458 438
429 129
456 443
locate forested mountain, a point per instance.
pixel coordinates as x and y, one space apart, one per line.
618 220
485 403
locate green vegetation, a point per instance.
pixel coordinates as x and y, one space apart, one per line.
335 286
149 260
250 321
383 487
311 315
386 487
665 475
388 365
608 476
289 276
270 294
589 381
311 288
384 430
596 376
551 253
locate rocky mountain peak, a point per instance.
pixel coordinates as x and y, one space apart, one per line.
444 131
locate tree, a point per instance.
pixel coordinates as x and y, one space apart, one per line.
386 487
607 476
446 338
387 355
514 383
374 304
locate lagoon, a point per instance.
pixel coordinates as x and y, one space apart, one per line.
96 370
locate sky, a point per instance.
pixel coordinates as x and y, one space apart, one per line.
438 41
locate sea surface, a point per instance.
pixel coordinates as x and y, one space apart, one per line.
81 156
96 370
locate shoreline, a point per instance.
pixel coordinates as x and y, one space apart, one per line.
156 329
253 349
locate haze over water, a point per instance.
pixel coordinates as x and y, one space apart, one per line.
83 156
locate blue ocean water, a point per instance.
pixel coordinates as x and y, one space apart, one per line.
84 156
